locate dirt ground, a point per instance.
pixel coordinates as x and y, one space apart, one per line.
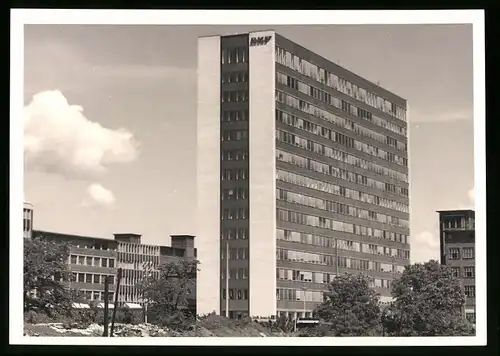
211 326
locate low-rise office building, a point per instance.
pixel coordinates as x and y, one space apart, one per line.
92 259
457 248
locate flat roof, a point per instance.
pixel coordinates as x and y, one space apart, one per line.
455 211
73 235
382 89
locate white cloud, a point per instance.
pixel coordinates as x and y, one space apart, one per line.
432 117
99 196
424 247
472 195
58 138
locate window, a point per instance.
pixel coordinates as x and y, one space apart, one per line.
88 295
96 295
111 279
469 272
111 263
471 317
81 260
470 291
81 277
73 259
88 261
455 272
454 253
88 278
97 278
104 262
468 253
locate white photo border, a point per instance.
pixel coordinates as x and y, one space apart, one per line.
20 17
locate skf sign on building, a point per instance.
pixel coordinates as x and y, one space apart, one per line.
260 41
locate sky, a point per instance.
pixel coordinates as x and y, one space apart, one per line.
110 120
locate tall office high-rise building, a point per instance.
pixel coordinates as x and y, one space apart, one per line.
302 175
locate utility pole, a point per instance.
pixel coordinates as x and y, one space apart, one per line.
227 279
106 306
118 279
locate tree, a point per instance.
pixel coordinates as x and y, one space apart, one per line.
45 271
146 286
168 291
428 301
351 307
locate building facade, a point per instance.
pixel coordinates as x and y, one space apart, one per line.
457 248
92 259
27 220
302 175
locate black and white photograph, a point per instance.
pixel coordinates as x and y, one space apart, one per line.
241 177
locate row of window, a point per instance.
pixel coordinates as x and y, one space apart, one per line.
128 257
329 116
335 189
320 277
298 294
234 155
234 96
235 273
342 156
470 291
332 242
305 125
239 253
234 234
463 272
236 294
130 277
339 173
234 55
235 194
234 115
234 135
331 80
138 248
234 77
326 223
338 261
95 278
235 214
339 208
459 222
92 261
467 253
336 102
234 174
304 276
94 295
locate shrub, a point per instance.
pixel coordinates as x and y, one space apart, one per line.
33 317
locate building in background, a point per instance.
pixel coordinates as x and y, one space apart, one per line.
302 175
92 259
27 220
457 248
